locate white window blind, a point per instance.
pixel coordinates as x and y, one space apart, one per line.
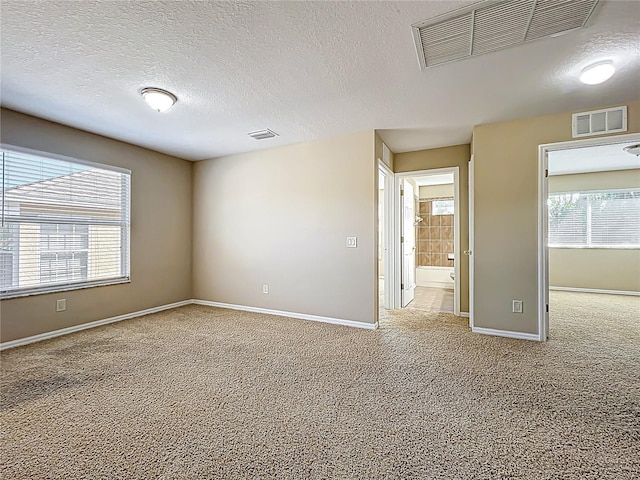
64 223
608 218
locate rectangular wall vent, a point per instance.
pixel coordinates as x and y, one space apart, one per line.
597 122
262 134
494 25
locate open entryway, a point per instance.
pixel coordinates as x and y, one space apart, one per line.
589 240
427 230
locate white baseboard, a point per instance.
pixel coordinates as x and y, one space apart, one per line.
302 316
506 333
595 290
84 326
464 314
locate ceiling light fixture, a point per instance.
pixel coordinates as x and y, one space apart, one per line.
158 99
597 73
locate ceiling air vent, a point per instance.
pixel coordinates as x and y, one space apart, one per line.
494 25
262 134
597 122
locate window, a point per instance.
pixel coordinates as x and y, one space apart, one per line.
64 225
64 252
599 219
442 207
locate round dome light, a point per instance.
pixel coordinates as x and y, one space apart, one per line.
597 73
158 99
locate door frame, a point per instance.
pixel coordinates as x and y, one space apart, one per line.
407 281
469 252
543 215
389 238
397 208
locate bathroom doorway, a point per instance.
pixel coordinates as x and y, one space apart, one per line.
428 248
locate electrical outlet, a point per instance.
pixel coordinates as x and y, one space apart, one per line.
352 242
265 289
61 305
517 306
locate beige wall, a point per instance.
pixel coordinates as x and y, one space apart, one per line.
281 217
595 181
506 215
456 156
437 191
595 268
160 231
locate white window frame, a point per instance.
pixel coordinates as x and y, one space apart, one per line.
125 266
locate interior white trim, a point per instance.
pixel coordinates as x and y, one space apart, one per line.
595 290
64 158
464 314
399 177
389 238
127 316
84 326
543 247
506 333
302 316
471 242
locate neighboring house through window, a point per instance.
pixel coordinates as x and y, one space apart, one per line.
596 219
64 252
65 223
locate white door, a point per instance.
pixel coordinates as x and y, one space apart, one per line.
408 243
470 251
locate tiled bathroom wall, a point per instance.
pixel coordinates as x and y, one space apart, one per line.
434 236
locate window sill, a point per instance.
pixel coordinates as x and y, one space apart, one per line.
62 288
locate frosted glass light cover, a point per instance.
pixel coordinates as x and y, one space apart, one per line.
159 100
597 73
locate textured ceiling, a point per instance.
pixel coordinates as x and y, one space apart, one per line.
303 69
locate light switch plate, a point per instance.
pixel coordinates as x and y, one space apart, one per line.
352 242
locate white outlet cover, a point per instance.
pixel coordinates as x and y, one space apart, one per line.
352 242
61 305
517 306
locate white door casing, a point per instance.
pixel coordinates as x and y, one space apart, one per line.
408 243
388 234
470 251
543 218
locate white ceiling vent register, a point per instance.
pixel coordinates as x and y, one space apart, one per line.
597 122
262 134
494 25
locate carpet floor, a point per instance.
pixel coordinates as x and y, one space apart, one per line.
200 392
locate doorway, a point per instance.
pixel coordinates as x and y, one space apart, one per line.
589 218
427 230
